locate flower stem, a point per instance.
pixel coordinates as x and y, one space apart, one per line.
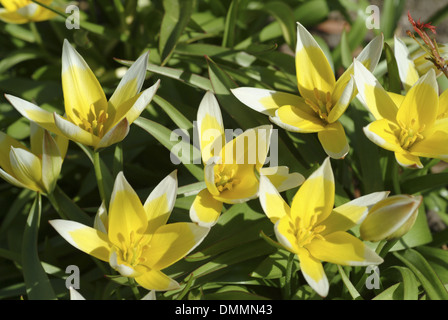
288 277
56 206
134 288
99 178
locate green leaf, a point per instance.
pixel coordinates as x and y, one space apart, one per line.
222 83
348 284
228 39
346 52
410 283
184 76
175 143
430 281
274 266
393 77
37 284
424 183
69 209
394 292
178 118
177 15
283 13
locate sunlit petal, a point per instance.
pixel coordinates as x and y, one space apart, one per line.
344 249
205 209
334 141
84 238
274 206
160 202
314 273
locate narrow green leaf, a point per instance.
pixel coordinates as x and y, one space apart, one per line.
346 52
228 39
410 283
283 13
37 284
424 183
348 284
393 77
176 17
178 118
61 202
430 281
394 292
222 83
189 155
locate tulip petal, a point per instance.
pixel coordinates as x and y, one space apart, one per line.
249 148
315 199
406 68
373 95
156 280
127 218
130 85
343 101
12 17
160 202
298 118
312 67
334 141
51 162
133 107
369 57
27 168
281 178
124 268
205 209
6 142
344 249
314 273
114 135
274 206
285 234
210 127
407 160
73 132
86 239
264 100
33 113
382 133
433 146
101 221
75 295
443 105
389 216
83 94
172 242
10 179
351 213
420 106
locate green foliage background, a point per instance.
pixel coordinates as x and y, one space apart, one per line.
197 46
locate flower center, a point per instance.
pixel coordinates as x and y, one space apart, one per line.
132 253
304 236
409 135
95 122
322 103
225 177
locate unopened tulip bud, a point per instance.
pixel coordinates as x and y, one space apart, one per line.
390 218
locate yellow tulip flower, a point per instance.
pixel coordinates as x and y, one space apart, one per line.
231 168
315 231
406 125
24 11
90 118
135 238
390 218
323 100
36 168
